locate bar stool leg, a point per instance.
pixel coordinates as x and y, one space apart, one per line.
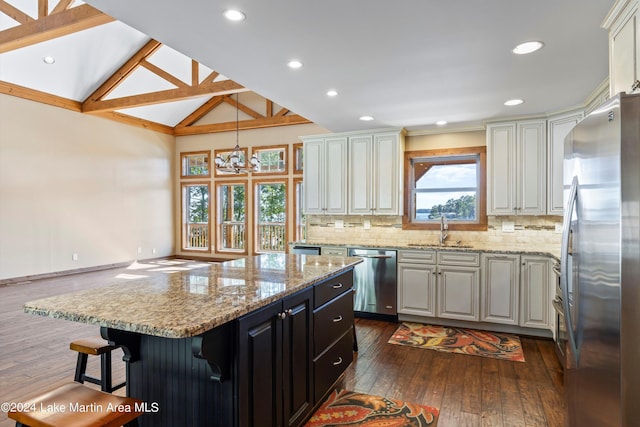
81 368
105 372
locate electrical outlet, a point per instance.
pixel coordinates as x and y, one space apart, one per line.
139 250
339 223
558 228
367 224
74 257
153 251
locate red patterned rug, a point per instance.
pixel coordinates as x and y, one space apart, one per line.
348 408
459 340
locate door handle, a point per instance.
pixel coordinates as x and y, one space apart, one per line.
564 274
337 319
338 362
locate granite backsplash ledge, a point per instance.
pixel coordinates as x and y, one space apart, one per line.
539 232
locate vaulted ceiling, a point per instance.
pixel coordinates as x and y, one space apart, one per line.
103 67
180 68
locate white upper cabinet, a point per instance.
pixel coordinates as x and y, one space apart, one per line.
557 129
375 174
325 175
624 46
516 168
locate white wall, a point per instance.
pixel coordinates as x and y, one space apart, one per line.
74 183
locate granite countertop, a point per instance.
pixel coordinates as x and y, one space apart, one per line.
192 302
489 247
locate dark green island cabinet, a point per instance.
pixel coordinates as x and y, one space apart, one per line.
271 367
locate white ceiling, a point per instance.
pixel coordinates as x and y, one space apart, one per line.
408 63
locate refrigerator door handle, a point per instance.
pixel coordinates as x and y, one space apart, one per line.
564 273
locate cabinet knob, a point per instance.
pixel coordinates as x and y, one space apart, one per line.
290 312
282 315
337 286
338 362
337 319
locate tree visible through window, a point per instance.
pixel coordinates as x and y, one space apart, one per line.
271 216
449 183
195 212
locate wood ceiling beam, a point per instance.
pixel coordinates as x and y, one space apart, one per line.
265 122
283 112
43 8
210 77
202 111
14 13
243 108
135 121
38 96
163 74
116 78
218 88
62 5
52 26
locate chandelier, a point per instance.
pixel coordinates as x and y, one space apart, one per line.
235 162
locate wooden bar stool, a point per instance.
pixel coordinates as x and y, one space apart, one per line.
95 347
76 405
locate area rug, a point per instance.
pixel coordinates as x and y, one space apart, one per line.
348 408
458 340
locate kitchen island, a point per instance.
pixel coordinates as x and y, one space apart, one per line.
238 343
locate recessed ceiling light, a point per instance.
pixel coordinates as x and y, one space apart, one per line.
441 122
512 102
234 15
294 64
332 92
366 118
48 60
527 47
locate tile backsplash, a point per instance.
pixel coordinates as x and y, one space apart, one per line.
541 233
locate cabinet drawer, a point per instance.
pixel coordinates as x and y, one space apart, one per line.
332 320
328 367
417 257
471 259
333 251
332 287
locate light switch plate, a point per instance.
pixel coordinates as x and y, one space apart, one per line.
339 223
508 226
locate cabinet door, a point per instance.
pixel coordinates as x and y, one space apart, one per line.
501 169
260 368
624 48
532 168
558 128
314 176
458 293
386 175
417 289
335 176
360 172
499 286
535 298
297 356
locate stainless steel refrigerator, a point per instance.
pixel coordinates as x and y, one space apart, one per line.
600 266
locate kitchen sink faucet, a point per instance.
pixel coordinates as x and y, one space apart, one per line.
444 227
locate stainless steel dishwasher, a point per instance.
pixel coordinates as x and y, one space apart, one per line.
375 283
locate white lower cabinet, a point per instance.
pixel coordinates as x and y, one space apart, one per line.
535 300
458 289
499 288
417 289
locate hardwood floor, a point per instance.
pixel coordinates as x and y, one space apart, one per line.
468 390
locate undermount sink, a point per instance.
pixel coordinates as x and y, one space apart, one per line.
436 246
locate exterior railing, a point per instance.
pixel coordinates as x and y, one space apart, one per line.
198 235
271 237
233 235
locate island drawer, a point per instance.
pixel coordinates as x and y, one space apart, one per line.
328 367
417 257
332 287
332 320
471 259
